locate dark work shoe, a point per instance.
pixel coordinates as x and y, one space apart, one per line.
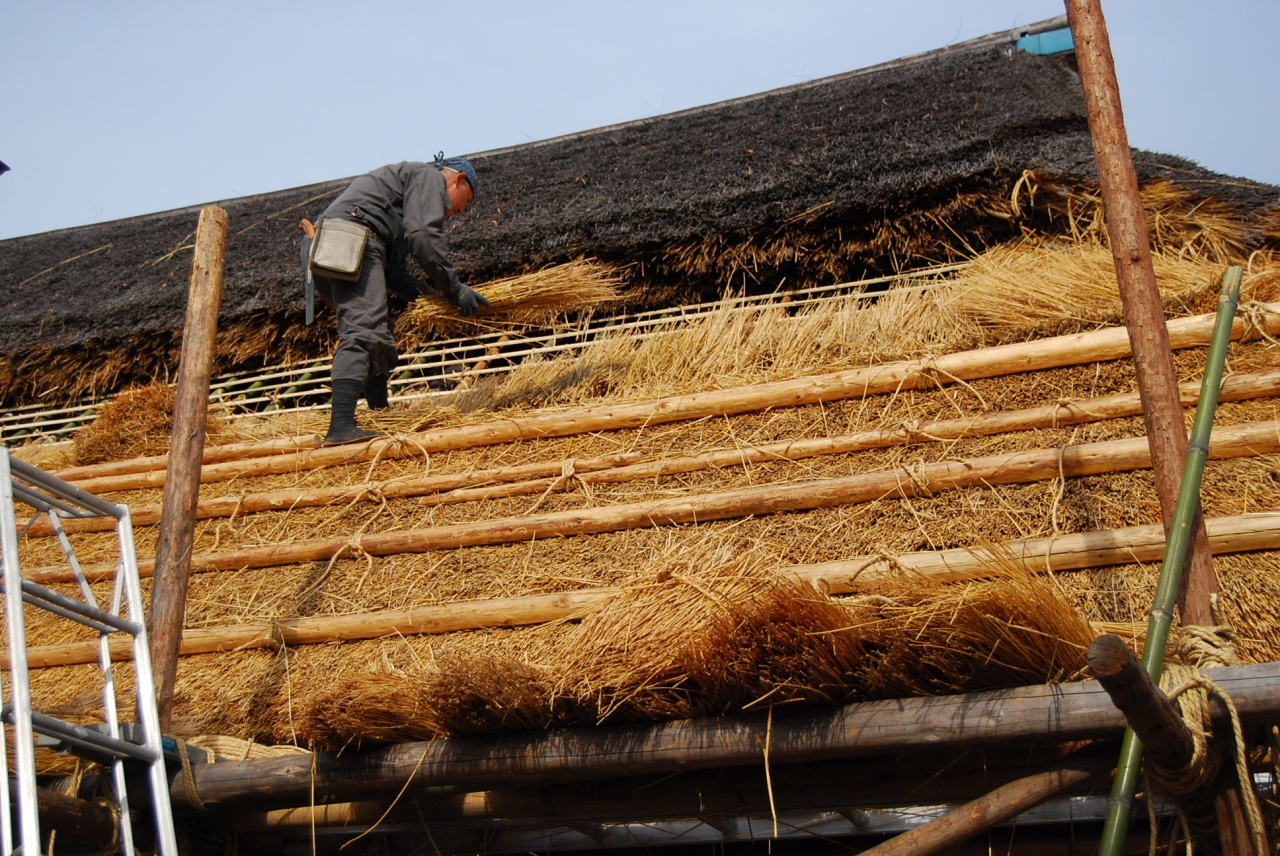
375 392
342 418
342 435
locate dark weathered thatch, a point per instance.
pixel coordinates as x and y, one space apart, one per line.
892 162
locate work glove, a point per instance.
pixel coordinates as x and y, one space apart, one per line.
468 300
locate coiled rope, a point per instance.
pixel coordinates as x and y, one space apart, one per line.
1184 684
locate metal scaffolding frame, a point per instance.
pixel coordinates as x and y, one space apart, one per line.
23 483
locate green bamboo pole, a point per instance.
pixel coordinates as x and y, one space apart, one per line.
1120 803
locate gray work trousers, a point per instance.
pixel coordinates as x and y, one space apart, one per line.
366 341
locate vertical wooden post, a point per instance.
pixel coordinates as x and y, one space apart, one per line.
186 451
1143 313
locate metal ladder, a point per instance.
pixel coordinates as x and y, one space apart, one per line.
56 499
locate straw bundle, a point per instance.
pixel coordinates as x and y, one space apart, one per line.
930 638
1030 284
1180 223
706 635
713 637
457 694
136 422
531 298
732 347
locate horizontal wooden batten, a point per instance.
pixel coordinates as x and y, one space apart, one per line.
1106 344
1234 441
479 485
1240 533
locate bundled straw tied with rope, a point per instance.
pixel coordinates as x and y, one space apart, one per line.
531 298
713 632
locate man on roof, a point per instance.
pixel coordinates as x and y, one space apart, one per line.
359 249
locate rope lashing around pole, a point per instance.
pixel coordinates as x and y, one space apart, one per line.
1205 647
919 478
911 428
188 780
1255 313
565 481
930 369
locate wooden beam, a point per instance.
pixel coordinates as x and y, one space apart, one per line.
1056 713
841 784
186 450
1241 533
1004 803
622 467
1112 456
280 500
77 818
1106 344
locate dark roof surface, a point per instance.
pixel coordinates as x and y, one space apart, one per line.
858 145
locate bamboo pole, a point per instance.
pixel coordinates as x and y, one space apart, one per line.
1004 803
1182 532
1054 713
182 480
622 467
1237 534
1112 456
1139 294
1107 344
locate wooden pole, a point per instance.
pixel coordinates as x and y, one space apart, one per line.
1042 714
77 818
1143 312
443 485
186 451
1240 533
1156 722
1215 813
1004 803
212 455
1097 345
734 792
1153 717
1111 456
629 466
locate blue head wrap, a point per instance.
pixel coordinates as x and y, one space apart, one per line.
463 166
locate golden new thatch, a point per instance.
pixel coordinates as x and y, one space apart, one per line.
700 620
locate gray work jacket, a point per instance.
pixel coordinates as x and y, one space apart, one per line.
404 204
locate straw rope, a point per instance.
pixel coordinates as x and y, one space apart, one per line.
1203 647
188 780
235 749
1255 313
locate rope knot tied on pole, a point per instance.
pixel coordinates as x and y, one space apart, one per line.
1184 684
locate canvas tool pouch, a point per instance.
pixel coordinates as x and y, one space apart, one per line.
338 249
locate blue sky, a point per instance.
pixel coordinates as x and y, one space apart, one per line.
110 110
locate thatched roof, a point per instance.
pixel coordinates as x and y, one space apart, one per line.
590 543
697 197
